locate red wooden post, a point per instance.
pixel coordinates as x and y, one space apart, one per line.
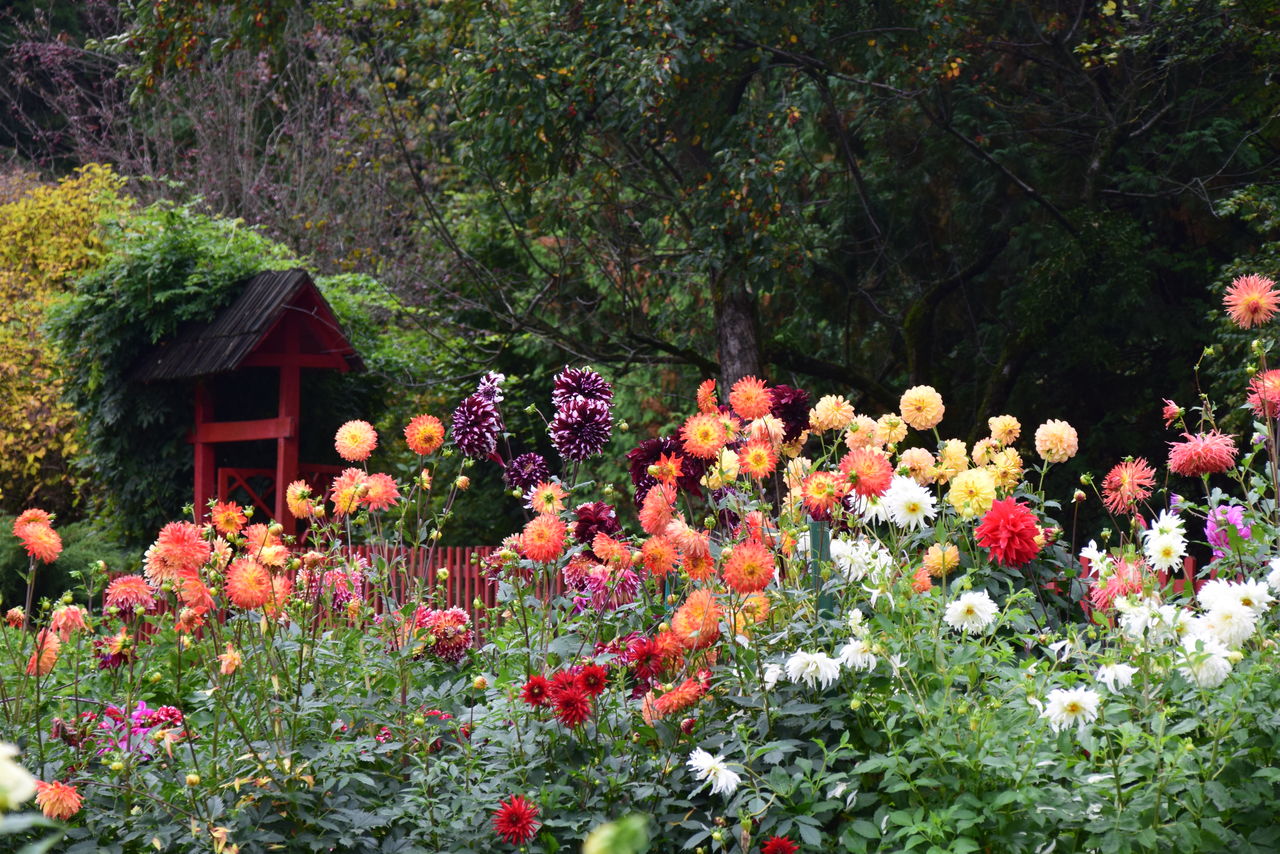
290 408
205 461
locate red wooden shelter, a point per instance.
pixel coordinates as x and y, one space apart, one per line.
280 320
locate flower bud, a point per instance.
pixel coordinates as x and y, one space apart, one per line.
442 574
193 779
463 483
480 683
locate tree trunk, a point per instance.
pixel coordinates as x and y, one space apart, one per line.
737 331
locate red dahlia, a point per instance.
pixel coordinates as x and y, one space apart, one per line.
1008 532
573 706
593 679
536 691
779 845
516 820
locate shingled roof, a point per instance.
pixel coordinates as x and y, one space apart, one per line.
224 343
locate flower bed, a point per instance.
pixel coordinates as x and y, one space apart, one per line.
824 631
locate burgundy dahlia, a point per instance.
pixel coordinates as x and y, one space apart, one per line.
791 407
516 820
527 471
476 425
581 429
647 453
594 518
579 384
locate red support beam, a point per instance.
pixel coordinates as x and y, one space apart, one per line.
290 409
205 461
246 431
299 360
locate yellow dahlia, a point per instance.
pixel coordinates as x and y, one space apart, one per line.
890 429
1005 429
972 493
940 559
952 459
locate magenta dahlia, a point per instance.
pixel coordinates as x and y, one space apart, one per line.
527 471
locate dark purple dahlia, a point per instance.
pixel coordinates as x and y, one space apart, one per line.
527 471
791 407
580 384
581 429
476 424
490 386
595 518
646 454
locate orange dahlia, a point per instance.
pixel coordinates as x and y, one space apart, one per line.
260 536
424 435
869 472
668 469
1251 300
1264 394
750 568
68 620
940 559
180 548
543 538
822 491
547 498
57 800
890 429
704 435
228 517
698 566
382 492
921 407
40 541
355 441
921 582
706 397
832 412
30 515
757 459
751 398
129 593
347 490
659 556
302 504
679 698
45 654
657 509
755 607
697 622
195 595
229 661
248 584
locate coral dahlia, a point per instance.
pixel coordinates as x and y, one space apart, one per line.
697 622
248 584
1251 300
750 568
1056 441
40 541
227 516
751 398
543 538
1128 483
179 549
128 593
704 435
58 801
869 471
1203 453
1264 394
355 441
424 435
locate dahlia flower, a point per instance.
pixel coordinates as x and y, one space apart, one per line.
1127 484
972 493
749 568
57 800
516 820
1008 532
526 471
1056 441
248 584
424 434
229 661
40 541
595 517
1164 551
227 517
862 433
1251 594
1005 429
1251 300
861 559
779 845
1116 579
128 593
448 631
869 471
813 668
910 505
1215 527
890 429
971 612
45 653
382 492
953 458
791 407
757 459
355 441
476 425
697 622
490 386
573 384
581 428
1229 623
1115 676
921 407
832 412
706 396
919 464
1264 394
67 620
1204 453
940 559
1206 661
857 655
1075 706
751 398
707 767
536 692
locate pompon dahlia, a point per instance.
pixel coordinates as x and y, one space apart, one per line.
424 435
180 549
921 407
1008 532
1251 300
526 471
543 538
573 384
706 397
750 568
595 517
918 464
58 801
1264 394
516 820
1005 429
45 653
751 398
832 412
476 425
697 622
581 428
869 472
1203 453
536 692
248 584
40 541
1127 484
381 493
128 593
227 517
791 407
1056 441
355 441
